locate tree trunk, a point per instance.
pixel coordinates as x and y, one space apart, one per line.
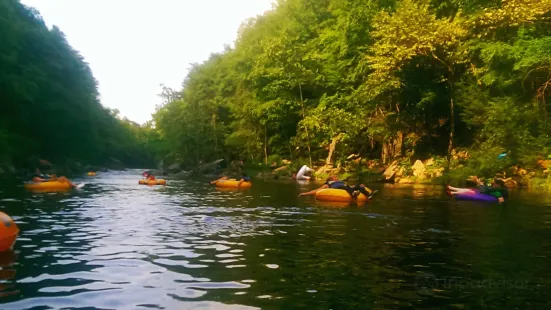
305 127
398 144
215 135
265 147
452 132
392 148
386 152
332 147
288 144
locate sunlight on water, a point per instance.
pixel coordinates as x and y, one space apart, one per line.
119 245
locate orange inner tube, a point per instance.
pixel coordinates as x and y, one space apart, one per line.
332 194
48 186
8 232
232 184
152 182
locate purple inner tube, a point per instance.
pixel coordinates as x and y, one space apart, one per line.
476 197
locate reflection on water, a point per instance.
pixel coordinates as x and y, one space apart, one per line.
120 245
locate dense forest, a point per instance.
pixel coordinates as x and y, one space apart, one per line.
309 81
49 105
320 80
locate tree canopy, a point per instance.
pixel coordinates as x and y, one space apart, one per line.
382 78
308 80
49 102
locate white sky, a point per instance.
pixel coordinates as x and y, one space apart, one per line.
133 46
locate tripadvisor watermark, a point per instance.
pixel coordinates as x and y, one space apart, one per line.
429 282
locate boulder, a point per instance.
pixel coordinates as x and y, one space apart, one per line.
374 167
404 181
325 169
45 162
399 173
7 168
545 164
209 167
510 183
281 169
390 172
461 155
525 182
436 173
115 164
157 172
174 167
182 174
419 169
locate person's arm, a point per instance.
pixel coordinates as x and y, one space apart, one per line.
222 178
313 192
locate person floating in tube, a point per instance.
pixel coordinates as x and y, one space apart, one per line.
148 175
39 177
301 175
496 189
334 182
244 178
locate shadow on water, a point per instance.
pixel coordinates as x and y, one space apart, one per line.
119 245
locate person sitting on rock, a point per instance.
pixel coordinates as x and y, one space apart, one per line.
301 173
335 183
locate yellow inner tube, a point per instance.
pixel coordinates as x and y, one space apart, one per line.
92 174
232 184
48 186
332 194
152 182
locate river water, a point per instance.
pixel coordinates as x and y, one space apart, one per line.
119 245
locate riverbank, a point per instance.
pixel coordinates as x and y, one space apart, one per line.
68 168
413 171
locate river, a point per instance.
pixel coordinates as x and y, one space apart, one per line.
119 245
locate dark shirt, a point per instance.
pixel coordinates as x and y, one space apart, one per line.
335 184
494 191
41 176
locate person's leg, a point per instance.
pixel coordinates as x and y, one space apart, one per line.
456 190
349 190
362 190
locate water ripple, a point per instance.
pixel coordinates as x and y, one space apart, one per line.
120 245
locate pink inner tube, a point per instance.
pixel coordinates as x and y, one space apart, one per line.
476 196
